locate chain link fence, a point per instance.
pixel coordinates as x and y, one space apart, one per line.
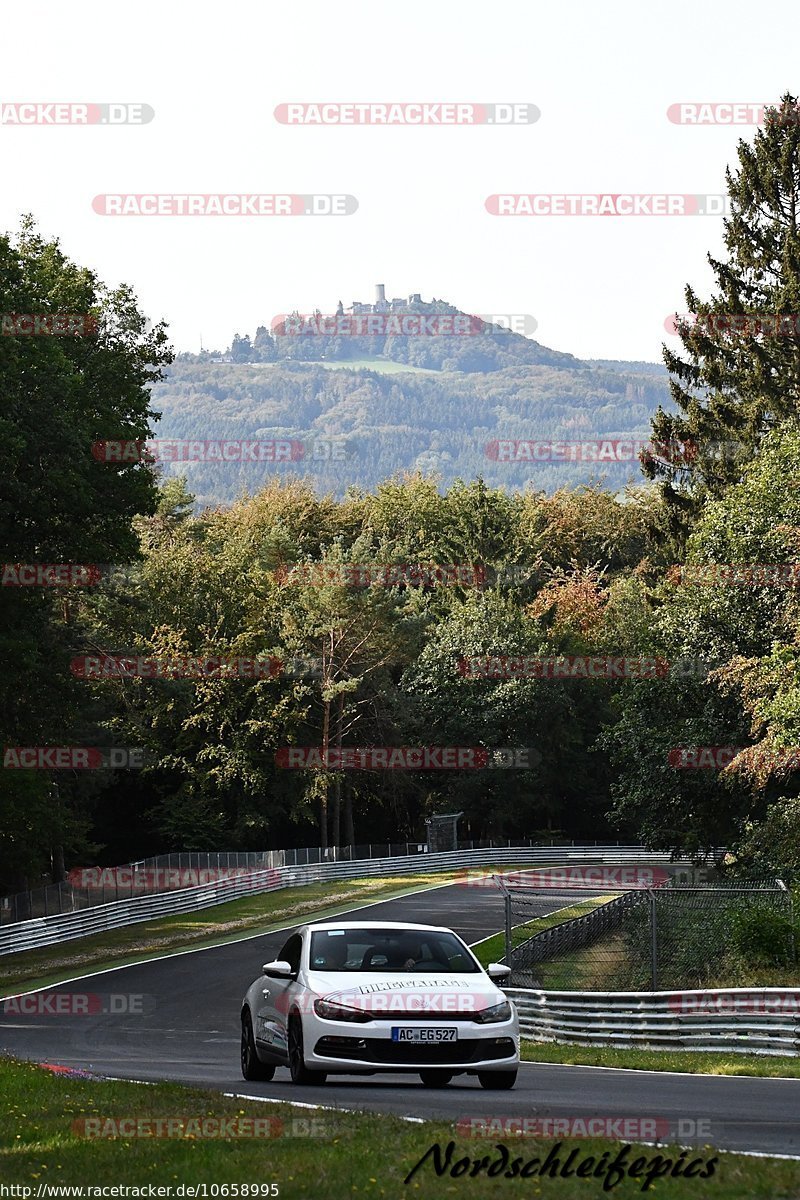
734 934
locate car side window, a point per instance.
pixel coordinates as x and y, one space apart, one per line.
291 951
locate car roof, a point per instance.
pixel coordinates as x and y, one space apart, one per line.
405 926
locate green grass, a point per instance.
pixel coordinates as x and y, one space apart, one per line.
693 1062
593 968
353 1155
383 366
493 949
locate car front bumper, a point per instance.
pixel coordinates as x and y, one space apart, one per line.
334 1045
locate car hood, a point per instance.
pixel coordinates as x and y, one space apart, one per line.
407 992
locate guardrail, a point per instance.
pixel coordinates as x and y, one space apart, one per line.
87 886
744 1020
61 927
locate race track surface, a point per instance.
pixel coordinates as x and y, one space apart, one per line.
189 1032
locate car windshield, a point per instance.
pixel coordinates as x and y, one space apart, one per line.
390 950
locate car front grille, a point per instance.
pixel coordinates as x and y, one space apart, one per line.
381 1050
409 1018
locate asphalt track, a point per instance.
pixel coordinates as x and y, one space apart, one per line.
189 1032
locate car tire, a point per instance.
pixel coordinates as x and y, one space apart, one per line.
435 1078
298 1070
252 1066
497 1081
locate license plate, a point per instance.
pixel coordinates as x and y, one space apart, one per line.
417 1033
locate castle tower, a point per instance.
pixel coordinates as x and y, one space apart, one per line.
380 294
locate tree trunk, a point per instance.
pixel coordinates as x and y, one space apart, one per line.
337 787
323 795
57 860
349 833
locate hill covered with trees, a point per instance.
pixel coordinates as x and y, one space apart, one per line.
438 421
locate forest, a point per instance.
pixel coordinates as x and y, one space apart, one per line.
364 425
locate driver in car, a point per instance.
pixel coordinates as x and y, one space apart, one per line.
334 956
414 951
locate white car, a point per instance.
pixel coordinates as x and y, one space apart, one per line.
362 998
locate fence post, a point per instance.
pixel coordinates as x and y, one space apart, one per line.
653 944
784 888
507 900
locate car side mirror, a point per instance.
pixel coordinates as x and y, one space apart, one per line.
498 970
278 970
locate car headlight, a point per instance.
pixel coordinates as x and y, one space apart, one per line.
497 1012
330 1011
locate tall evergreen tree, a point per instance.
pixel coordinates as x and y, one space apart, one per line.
738 377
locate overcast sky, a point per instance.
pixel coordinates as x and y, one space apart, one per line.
603 77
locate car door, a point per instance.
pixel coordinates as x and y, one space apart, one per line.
275 1000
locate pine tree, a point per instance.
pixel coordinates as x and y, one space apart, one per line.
739 377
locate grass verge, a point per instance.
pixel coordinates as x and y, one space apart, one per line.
493 949
693 1062
305 1152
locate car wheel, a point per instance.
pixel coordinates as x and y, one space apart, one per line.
433 1078
252 1067
297 1066
497 1081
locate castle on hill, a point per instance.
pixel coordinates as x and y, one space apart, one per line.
381 305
